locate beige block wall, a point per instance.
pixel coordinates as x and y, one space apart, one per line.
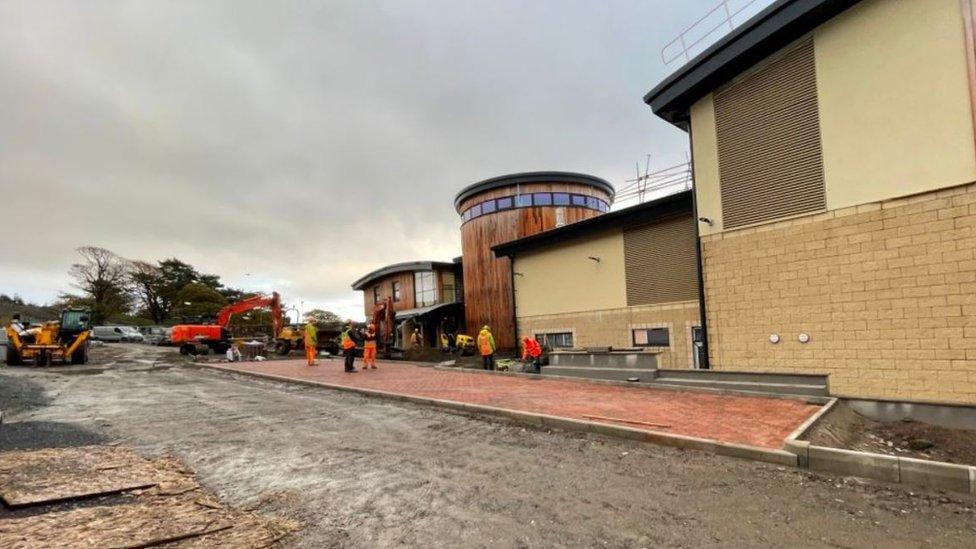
893 91
895 114
704 144
886 291
562 279
612 327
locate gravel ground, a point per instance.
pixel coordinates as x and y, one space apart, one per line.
363 472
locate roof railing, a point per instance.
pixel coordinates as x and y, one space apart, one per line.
721 16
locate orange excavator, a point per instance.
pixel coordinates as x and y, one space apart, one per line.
192 339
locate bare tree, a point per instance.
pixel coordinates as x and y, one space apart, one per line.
102 277
147 284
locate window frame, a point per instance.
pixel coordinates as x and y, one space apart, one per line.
545 339
648 331
421 290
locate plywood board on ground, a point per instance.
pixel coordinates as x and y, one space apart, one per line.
59 474
149 523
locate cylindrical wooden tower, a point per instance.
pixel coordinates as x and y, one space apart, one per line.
506 208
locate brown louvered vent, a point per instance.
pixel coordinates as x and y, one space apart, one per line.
769 151
660 262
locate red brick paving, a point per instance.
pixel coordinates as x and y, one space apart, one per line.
756 421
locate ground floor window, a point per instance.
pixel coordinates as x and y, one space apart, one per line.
558 340
652 337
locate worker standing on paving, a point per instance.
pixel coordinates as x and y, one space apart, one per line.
311 341
369 347
532 351
415 340
486 342
348 347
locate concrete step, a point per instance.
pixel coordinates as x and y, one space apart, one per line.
644 375
645 361
806 389
718 375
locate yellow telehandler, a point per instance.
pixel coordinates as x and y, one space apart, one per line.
57 341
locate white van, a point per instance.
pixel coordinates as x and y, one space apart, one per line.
115 334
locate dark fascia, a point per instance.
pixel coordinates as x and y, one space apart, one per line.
533 177
770 30
667 206
365 281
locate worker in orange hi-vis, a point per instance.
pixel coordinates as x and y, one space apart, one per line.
348 343
311 341
532 352
369 347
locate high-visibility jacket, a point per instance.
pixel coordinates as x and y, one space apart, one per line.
311 335
486 342
346 338
532 349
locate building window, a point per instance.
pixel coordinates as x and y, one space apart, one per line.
530 200
558 340
396 291
376 294
652 337
425 288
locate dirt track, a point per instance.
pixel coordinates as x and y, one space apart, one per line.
365 473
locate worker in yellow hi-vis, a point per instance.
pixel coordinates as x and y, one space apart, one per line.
311 341
486 343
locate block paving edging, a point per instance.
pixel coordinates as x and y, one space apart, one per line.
936 475
745 451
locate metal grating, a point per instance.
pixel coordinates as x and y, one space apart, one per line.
660 262
769 150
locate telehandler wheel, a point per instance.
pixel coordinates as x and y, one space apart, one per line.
13 357
80 356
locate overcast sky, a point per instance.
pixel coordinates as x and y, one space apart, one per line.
299 145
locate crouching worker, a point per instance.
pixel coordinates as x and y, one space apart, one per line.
369 347
233 354
486 343
532 352
311 341
348 343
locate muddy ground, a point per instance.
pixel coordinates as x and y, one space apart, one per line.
363 472
845 428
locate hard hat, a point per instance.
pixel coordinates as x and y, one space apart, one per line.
485 327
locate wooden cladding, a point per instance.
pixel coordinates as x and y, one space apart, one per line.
660 262
769 149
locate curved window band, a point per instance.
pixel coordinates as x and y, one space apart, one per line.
534 200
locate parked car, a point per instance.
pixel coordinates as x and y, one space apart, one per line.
153 335
116 334
132 334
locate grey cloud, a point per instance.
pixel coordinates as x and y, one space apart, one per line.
304 142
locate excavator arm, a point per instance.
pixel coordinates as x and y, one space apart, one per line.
259 301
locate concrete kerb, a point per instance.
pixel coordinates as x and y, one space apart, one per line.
660 387
755 453
935 475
